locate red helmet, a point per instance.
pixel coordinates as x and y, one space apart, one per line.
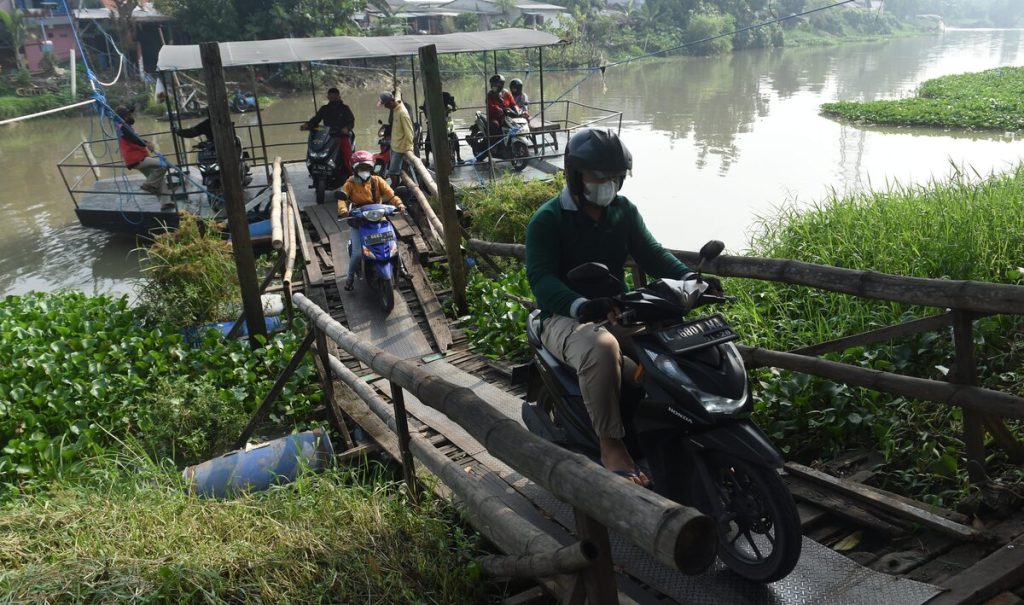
362 157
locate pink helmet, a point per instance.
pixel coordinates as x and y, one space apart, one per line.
362 157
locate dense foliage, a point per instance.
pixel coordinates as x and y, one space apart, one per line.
989 100
497 321
83 375
964 13
500 211
132 535
224 20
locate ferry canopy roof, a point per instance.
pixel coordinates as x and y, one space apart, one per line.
301 50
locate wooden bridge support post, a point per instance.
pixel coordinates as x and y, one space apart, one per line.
402 424
327 383
224 139
443 165
965 373
597 582
275 391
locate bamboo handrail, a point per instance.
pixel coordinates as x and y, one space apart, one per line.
421 171
436 227
573 558
276 227
678 536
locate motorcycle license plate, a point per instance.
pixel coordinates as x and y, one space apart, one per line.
377 238
694 335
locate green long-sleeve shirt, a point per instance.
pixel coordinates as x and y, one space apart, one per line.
560 237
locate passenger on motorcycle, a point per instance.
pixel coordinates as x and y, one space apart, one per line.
499 102
589 222
521 98
360 189
337 116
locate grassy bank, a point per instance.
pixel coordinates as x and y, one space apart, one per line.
989 100
13 106
131 534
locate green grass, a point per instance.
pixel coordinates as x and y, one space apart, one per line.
14 107
132 535
500 211
956 230
989 100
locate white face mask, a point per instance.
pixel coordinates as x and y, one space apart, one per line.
364 175
601 194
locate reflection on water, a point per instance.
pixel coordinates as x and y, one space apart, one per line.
716 143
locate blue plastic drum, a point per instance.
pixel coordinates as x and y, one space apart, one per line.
275 462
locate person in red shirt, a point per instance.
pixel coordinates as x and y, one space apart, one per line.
499 101
135 153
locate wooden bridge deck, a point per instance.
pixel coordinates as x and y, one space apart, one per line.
890 564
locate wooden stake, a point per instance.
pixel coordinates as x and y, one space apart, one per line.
224 140
443 165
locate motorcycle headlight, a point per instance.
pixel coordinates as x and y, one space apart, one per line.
215 167
714 404
374 216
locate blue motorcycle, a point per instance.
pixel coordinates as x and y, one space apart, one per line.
380 264
242 101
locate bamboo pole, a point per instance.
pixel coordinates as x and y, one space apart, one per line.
87 148
422 173
497 248
969 397
276 231
678 536
569 559
289 246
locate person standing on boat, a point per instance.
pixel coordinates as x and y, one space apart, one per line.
339 118
363 187
135 152
402 135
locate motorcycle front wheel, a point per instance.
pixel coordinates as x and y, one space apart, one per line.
320 185
386 291
520 155
758 524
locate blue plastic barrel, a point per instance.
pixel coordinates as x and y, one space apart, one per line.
275 462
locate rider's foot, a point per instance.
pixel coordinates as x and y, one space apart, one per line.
348 285
615 457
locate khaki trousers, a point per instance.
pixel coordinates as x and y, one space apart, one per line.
596 355
155 172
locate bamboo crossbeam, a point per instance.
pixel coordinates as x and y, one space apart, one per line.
422 173
289 244
497 248
570 559
970 397
276 227
676 535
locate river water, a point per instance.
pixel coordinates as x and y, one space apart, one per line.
717 143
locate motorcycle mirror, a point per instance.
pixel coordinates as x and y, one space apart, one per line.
381 122
589 272
710 251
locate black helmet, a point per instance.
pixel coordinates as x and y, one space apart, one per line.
515 85
497 79
595 150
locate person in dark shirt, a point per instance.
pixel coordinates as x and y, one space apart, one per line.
339 118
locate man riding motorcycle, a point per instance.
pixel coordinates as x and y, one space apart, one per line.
589 222
337 116
499 101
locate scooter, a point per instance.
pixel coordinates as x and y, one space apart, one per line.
322 158
513 144
209 166
242 101
382 159
687 419
381 264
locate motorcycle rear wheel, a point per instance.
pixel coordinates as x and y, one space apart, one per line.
759 527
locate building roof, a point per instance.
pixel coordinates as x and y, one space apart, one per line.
300 50
140 15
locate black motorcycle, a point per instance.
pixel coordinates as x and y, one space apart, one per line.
209 166
687 418
322 161
513 144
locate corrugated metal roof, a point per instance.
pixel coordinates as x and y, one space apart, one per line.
299 50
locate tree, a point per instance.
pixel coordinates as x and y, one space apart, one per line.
123 12
13 33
